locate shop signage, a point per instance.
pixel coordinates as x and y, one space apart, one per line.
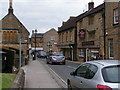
88 43
82 33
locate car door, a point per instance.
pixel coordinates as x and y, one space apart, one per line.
77 80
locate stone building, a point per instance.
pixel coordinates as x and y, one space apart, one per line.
37 41
50 40
67 38
90 33
112 26
12 31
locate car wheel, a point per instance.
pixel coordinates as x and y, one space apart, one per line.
64 63
52 63
69 85
47 62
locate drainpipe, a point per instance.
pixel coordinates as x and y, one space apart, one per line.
104 19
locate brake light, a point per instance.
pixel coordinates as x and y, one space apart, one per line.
53 57
103 87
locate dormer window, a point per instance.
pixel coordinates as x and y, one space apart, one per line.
116 16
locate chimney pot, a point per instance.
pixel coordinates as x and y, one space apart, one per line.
90 5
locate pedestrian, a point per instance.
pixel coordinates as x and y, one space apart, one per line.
33 56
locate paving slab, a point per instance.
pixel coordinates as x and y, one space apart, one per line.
37 76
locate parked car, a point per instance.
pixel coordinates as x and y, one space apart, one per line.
56 58
101 74
42 54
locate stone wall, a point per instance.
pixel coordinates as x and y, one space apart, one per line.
19 80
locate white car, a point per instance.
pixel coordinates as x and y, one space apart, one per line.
100 75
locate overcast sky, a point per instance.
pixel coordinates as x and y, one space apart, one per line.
45 14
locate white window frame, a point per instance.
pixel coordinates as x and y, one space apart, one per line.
52 38
116 16
110 42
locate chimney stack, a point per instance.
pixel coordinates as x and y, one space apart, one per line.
90 5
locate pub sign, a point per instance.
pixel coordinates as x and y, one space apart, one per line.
82 33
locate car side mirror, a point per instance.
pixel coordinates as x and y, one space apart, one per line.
72 74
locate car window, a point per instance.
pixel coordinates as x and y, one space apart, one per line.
111 74
82 70
91 71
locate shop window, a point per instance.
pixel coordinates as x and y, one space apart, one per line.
81 53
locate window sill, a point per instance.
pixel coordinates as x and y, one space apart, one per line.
115 24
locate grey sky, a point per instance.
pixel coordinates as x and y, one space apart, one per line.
45 14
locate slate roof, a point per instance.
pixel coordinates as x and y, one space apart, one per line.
92 11
71 23
11 22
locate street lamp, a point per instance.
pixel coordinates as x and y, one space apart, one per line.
35 42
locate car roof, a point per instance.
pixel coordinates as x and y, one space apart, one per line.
105 63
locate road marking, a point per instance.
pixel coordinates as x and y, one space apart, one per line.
58 76
71 67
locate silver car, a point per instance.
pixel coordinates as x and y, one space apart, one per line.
56 58
99 74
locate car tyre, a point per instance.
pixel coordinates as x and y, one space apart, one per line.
52 63
64 63
47 62
69 85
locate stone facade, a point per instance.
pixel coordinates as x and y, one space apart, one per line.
38 39
112 30
50 40
67 38
12 30
90 36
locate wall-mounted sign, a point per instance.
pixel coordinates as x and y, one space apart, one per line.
88 43
82 33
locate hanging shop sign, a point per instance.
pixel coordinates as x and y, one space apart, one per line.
82 33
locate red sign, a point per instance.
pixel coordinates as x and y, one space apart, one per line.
82 34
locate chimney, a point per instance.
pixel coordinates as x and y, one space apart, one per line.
10 10
63 23
90 5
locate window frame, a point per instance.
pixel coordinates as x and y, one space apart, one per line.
116 16
110 47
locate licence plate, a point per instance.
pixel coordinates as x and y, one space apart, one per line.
59 60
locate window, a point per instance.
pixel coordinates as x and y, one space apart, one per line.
66 36
91 71
90 19
111 74
116 16
82 70
110 46
81 54
70 35
62 37
52 38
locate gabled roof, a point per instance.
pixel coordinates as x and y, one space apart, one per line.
11 22
69 24
92 11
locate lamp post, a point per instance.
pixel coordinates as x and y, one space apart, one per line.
20 41
35 42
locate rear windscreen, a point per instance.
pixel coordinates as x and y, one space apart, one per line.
111 74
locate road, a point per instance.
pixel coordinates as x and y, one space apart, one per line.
63 71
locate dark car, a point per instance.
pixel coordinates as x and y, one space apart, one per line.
56 58
42 54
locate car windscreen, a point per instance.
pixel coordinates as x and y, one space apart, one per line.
56 54
111 74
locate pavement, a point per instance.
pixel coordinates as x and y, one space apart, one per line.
37 76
